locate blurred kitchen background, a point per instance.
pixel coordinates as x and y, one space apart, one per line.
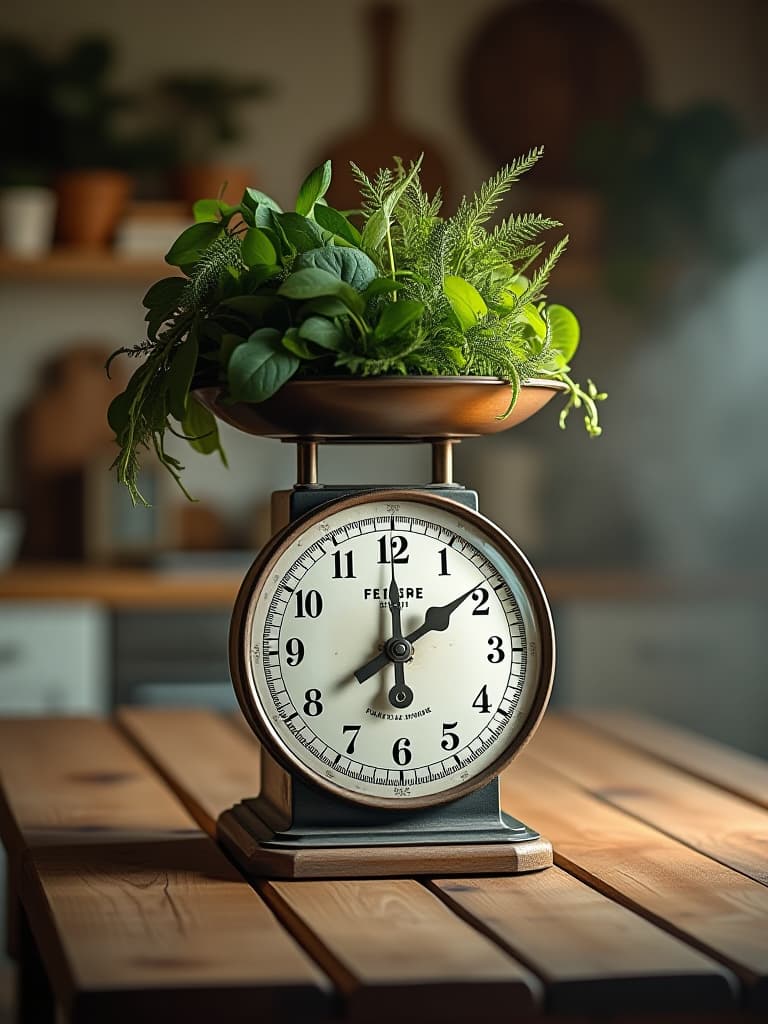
651 540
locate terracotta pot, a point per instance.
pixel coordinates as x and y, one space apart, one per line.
205 181
91 204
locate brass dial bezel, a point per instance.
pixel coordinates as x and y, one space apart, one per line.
257 578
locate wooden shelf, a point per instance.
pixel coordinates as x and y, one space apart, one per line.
119 587
88 265
83 265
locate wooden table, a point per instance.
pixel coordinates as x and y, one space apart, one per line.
123 907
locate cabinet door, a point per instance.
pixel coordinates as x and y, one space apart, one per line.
702 664
54 658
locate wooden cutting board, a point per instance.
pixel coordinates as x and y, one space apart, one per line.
536 73
381 135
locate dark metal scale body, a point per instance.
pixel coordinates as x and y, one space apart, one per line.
289 815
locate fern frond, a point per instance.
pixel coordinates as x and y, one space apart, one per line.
535 289
209 271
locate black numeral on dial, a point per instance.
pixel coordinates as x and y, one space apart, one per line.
343 567
481 701
313 703
450 740
480 597
395 544
497 650
294 652
355 730
443 552
308 605
401 753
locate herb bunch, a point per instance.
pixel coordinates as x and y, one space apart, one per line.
268 294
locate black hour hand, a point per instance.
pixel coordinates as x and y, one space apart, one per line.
438 618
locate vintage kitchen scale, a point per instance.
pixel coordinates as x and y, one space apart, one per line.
391 648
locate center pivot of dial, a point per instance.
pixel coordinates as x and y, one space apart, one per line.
398 649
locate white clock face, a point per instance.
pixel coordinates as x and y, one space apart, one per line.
394 650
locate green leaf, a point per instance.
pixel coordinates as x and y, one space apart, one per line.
466 301
322 332
351 265
257 250
396 316
192 243
312 283
180 375
119 412
534 319
314 187
326 305
212 210
253 198
164 294
201 430
257 276
564 330
260 367
251 305
374 231
297 345
380 286
299 232
337 223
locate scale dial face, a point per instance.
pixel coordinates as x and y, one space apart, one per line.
394 648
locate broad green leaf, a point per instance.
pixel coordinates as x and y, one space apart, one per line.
534 319
228 344
165 294
466 301
298 346
180 375
252 198
257 276
326 305
257 250
374 231
380 286
251 305
322 332
312 283
337 223
564 330
258 368
200 429
211 210
192 243
300 233
396 316
351 265
118 413
314 187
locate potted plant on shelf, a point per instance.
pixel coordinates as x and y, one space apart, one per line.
202 111
27 203
301 323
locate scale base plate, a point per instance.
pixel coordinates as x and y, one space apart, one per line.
261 853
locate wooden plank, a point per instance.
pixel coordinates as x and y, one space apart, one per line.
396 951
729 769
593 955
124 893
208 762
162 930
721 912
722 826
74 780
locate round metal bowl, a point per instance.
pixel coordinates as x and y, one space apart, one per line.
337 409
